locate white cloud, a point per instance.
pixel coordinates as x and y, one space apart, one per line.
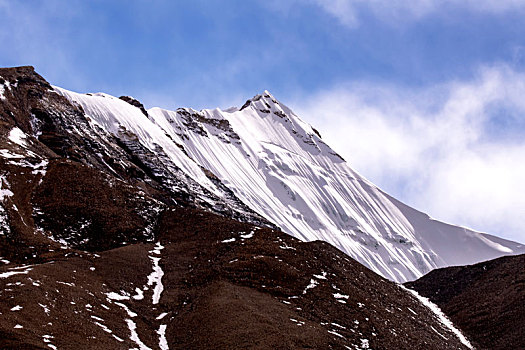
456 151
348 11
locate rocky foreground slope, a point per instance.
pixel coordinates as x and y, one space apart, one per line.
107 243
211 283
486 300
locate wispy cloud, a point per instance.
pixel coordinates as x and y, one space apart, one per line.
348 12
456 151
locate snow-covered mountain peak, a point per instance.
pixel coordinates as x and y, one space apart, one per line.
264 100
266 92
266 107
278 166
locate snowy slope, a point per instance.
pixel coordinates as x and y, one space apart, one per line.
279 166
118 117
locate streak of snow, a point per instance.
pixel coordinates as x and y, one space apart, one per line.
134 335
128 311
46 309
104 328
338 325
115 296
229 240
163 342
139 295
440 316
312 284
299 323
158 248
118 338
284 246
155 278
249 235
441 335
66 283
11 273
335 333
7 154
340 296
322 276
161 316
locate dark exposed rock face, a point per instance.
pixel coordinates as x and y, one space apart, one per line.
195 122
102 246
134 102
89 210
486 300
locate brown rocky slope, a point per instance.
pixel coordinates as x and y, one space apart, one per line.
487 300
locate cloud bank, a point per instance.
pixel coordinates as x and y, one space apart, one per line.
455 151
348 12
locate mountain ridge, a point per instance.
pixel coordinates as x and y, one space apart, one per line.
279 167
262 164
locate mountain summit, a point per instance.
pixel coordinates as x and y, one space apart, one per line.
269 162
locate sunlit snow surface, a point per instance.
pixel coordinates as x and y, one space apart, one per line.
17 136
278 165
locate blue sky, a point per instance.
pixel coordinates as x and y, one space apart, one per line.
424 99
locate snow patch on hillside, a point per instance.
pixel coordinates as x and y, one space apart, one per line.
155 278
17 136
440 316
